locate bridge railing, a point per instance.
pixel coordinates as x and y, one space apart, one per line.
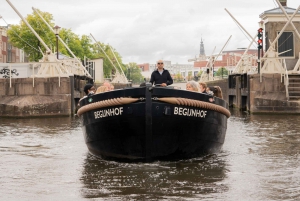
39 69
286 80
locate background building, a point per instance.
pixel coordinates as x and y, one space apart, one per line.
229 59
288 43
9 53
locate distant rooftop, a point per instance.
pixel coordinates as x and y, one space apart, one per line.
279 11
239 50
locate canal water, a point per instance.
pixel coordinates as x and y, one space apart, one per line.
47 159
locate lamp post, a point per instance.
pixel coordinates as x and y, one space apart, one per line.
8 47
56 30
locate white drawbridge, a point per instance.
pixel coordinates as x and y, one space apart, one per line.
50 65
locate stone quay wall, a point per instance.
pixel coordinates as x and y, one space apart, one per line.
247 92
270 95
59 96
36 97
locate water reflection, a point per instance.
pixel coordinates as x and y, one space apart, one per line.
36 136
265 149
196 178
278 146
47 159
40 158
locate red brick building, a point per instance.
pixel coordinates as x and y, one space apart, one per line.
8 53
144 67
229 59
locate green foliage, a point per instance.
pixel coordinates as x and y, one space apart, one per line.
178 77
133 73
111 58
22 37
220 71
190 76
197 77
199 73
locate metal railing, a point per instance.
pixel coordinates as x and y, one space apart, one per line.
286 80
34 70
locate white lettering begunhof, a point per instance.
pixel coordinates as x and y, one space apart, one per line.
189 112
108 112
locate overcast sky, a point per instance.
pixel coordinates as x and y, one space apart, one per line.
144 31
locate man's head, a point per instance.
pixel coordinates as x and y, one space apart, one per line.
107 84
88 88
160 64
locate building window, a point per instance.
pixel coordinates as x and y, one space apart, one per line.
285 43
4 46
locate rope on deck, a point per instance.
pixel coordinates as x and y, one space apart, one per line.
106 103
171 100
196 103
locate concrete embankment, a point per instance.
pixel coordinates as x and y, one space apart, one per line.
265 94
270 95
35 97
28 97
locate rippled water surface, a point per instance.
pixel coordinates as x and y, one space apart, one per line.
47 159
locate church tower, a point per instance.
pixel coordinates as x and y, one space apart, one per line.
202 51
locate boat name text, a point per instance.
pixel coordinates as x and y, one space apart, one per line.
108 112
189 112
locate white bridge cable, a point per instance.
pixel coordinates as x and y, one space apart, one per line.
275 4
240 25
28 25
287 17
246 35
222 49
45 33
282 30
118 62
20 36
105 54
66 46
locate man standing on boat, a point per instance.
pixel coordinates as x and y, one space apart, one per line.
161 76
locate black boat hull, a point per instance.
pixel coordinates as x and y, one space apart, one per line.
163 131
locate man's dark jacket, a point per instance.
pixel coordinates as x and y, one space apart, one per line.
157 78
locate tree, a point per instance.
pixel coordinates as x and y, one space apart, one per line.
87 47
190 76
200 73
197 77
133 72
221 72
22 37
110 56
178 77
